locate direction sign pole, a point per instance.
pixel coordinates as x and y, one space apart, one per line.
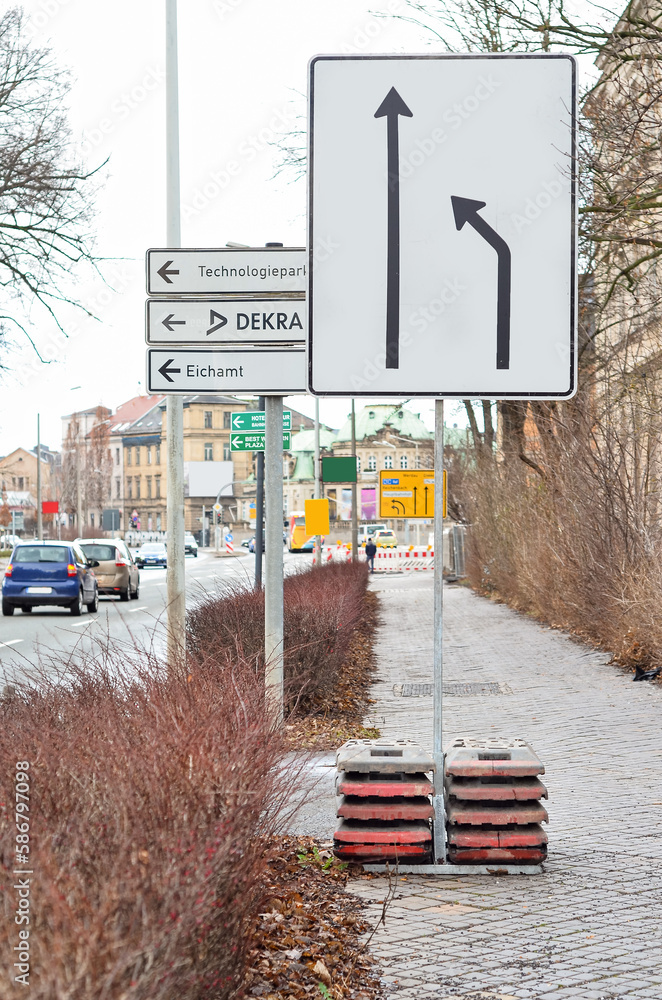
259 512
176 594
273 559
438 655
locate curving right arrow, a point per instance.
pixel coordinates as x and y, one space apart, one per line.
466 210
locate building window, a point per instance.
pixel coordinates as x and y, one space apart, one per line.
208 418
372 463
129 487
128 456
227 419
117 456
91 520
137 486
137 455
158 522
227 453
404 464
158 454
118 489
149 456
209 451
358 463
388 461
149 487
20 482
157 487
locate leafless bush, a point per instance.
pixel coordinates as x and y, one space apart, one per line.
152 800
322 609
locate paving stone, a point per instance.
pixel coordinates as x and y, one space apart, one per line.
586 927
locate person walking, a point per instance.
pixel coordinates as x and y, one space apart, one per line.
370 553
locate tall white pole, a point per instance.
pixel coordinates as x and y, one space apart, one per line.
438 655
273 557
318 538
355 513
176 586
40 526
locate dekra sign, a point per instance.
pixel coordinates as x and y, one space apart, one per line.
269 321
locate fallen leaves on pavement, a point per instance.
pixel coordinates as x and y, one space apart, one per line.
308 939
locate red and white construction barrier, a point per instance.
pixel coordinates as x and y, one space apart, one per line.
386 560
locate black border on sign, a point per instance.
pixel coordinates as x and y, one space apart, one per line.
464 394
166 293
169 391
182 300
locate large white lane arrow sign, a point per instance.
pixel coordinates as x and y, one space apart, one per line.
453 229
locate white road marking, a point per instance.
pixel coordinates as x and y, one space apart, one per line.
143 607
10 642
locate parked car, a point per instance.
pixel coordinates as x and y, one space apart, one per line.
385 539
117 572
152 554
190 545
251 544
49 573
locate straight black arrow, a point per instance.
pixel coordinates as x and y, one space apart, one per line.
169 322
166 371
466 210
425 491
391 108
164 272
415 491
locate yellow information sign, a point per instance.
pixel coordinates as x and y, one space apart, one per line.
408 493
317 517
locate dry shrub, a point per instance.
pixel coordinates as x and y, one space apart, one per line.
152 801
577 548
323 608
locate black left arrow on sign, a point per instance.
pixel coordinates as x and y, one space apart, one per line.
166 371
466 210
398 503
164 272
216 321
169 322
391 108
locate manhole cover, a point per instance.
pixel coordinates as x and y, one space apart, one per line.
454 689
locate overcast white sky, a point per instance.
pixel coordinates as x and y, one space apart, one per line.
240 64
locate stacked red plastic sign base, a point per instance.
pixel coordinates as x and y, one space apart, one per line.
384 803
493 807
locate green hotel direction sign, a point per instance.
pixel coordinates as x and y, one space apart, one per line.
253 420
255 442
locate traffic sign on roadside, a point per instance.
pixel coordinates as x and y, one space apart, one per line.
446 186
267 371
253 420
212 272
210 321
255 441
408 493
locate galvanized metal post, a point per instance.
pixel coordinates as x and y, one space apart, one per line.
318 538
355 522
175 579
40 526
273 561
438 655
259 509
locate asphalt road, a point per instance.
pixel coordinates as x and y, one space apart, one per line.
48 633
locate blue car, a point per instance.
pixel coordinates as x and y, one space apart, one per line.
152 554
55 574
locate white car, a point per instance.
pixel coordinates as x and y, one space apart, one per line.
9 541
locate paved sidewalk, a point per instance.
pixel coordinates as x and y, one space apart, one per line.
590 927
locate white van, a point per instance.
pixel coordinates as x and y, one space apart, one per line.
367 531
